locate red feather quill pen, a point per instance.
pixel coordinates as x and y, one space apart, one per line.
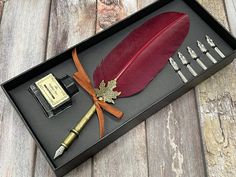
130 66
135 61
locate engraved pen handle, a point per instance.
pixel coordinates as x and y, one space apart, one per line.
76 130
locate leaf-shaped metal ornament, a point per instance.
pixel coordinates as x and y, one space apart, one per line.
106 93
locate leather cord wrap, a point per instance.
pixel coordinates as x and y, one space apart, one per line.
83 80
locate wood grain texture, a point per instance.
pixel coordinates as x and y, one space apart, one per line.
1 9
126 156
70 23
110 12
173 140
22 45
216 99
216 8
144 3
230 6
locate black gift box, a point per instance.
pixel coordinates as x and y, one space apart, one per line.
166 87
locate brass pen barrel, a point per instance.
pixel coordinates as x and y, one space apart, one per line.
105 94
76 130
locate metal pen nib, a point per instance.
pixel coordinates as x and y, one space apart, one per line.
206 52
74 133
187 64
177 69
195 57
59 151
213 45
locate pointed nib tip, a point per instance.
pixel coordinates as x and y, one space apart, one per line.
59 152
55 156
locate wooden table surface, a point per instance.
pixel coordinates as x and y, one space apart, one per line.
192 137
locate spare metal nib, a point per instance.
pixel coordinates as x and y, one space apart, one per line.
195 57
213 45
206 52
187 64
59 151
177 69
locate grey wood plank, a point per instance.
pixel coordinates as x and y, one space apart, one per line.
112 11
22 45
1 8
230 6
216 8
70 22
216 100
173 139
126 156
144 3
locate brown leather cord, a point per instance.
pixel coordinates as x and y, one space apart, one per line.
83 80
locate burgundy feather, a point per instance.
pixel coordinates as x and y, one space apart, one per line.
138 58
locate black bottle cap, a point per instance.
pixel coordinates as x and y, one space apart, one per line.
69 85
